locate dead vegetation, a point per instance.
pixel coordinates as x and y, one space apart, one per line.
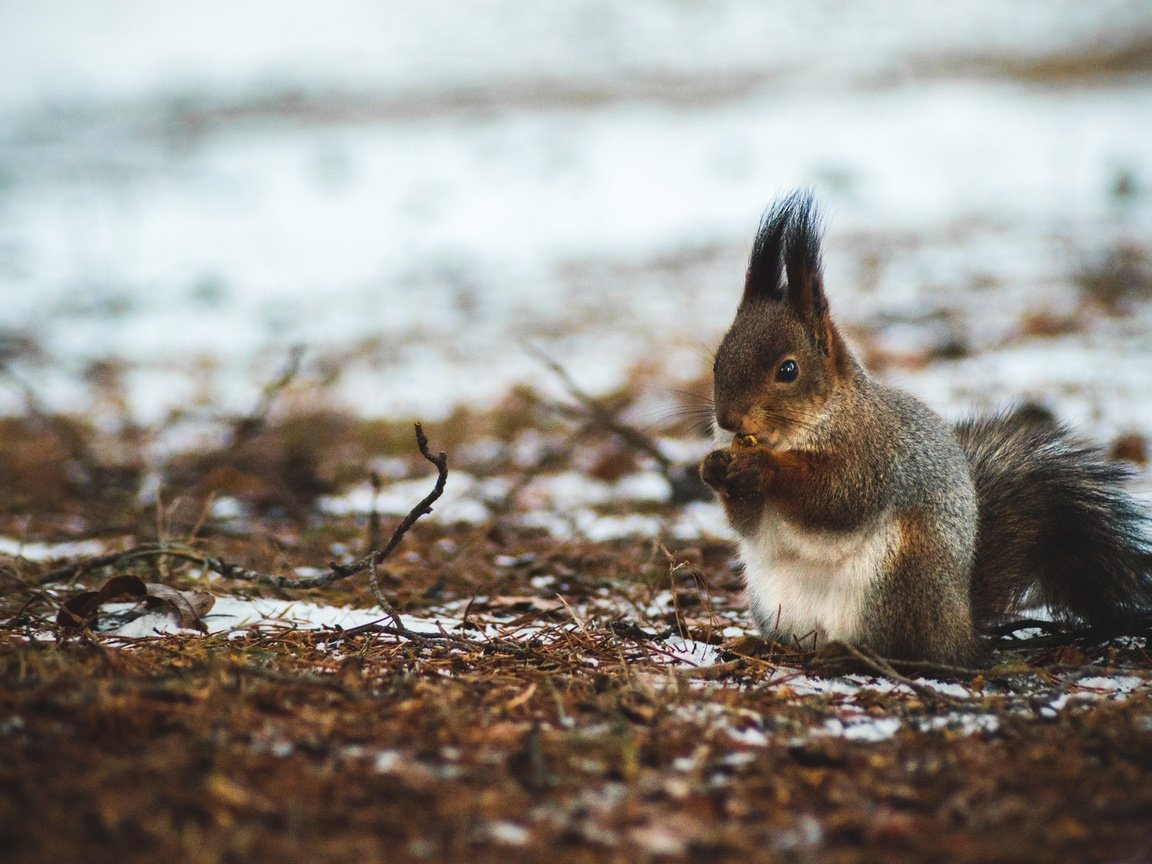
544 695
1103 60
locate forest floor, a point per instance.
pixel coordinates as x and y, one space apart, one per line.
554 664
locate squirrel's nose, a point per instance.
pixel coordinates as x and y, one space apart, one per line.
732 421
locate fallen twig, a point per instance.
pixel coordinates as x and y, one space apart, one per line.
234 571
880 666
343 571
684 479
246 427
76 568
1054 633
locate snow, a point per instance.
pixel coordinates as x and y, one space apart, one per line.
849 714
869 729
750 736
149 624
678 651
442 185
507 833
462 501
1110 685
235 614
417 193
702 519
387 761
563 504
962 723
49 551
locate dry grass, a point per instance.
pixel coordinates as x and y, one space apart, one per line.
544 729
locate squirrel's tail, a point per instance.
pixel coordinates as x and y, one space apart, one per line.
1055 526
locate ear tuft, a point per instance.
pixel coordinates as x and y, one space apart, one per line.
788 244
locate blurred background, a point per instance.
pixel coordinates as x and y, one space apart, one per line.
419 193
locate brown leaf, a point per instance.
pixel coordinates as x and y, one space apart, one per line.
185 607
80 610
124 586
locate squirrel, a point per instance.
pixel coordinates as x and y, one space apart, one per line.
863 517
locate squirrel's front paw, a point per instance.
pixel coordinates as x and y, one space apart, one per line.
714 468
750 472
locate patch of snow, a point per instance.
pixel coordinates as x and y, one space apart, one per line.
659 840
702 519
642 486
956 721
462 501
1114 686
386 761
678 650
599 528
507 833
870 729
50 551
150 624
232 614
948 688
225 508
751 736
685 451
565 491
100 195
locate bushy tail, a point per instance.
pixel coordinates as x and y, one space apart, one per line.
1056 527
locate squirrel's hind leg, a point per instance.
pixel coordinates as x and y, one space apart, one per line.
920 609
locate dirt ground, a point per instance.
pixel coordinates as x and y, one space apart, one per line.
554 712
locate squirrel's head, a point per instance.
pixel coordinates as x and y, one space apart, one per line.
780 361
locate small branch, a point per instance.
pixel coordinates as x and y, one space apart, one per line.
684 480
71 571
713 672
338 571
373 531
880 666
229 570
405 632
390 610
246 427
603 416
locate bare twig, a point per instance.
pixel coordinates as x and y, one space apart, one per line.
246 427
234 571
880 666
684 479
373 535
343 571
77 568
603 416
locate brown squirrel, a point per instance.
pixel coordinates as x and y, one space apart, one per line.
863 517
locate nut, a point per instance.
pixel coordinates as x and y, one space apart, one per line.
746 441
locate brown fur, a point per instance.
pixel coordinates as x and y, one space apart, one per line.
998 513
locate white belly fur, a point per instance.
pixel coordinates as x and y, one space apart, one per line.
802 582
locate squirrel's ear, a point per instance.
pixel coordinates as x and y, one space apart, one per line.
788 244
802 260
763 281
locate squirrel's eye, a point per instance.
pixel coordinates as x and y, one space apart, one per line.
787 372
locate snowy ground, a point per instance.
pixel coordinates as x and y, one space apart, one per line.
418 194
415 193
973 710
